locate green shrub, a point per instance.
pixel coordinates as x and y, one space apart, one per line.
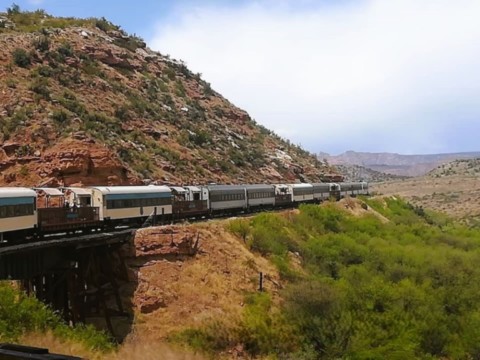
130 43
65 49
23 170
200 137
21 57
60 116
41 43
370 289
70 102
240 227
43 70
40 87
21 314
11 83
104 25
261 329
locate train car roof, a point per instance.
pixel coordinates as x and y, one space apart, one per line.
303 185
225 187
132 189
178 189
259 187
193 188
79 191
13 192
50 191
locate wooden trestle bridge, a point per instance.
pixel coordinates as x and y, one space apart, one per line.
77 276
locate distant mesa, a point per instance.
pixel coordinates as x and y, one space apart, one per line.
396 164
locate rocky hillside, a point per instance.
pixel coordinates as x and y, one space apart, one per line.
464 167
397 164
82 102
362 173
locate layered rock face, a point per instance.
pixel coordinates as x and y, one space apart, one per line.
66 164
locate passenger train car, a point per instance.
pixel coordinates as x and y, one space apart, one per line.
119 204
18 210
22 214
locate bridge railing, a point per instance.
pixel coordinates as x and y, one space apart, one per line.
189 207
67 218
11 351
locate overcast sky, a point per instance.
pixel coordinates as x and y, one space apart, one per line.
367 75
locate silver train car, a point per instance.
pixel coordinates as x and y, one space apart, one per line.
260 196
102 207
302 192
226 198
353 188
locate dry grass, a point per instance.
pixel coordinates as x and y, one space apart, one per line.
357 209
56 346
211 285
193 290
129 351
457 196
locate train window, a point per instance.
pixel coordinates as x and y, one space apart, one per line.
135 203
8 211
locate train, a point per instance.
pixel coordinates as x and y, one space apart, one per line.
32 213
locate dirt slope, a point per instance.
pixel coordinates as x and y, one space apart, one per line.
455 195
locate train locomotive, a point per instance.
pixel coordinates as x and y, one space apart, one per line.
33 213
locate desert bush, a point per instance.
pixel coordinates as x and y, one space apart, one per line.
11 83
42 70
105 25
71 103
40 87
261 329
200 137
59 116
370 289
65 50
41 43
21 57
240 227
130 43
21 314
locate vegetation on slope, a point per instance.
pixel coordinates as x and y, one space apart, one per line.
86 84
367 288
21 315
462 167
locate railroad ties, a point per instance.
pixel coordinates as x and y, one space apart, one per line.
77 276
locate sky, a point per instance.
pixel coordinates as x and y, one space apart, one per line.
332 75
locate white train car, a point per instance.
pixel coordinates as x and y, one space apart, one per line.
260 195
302 192
353 188
18 211
78 196
118 203
364 190
322 191
224 198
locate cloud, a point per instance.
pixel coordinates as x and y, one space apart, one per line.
373 75
36 2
